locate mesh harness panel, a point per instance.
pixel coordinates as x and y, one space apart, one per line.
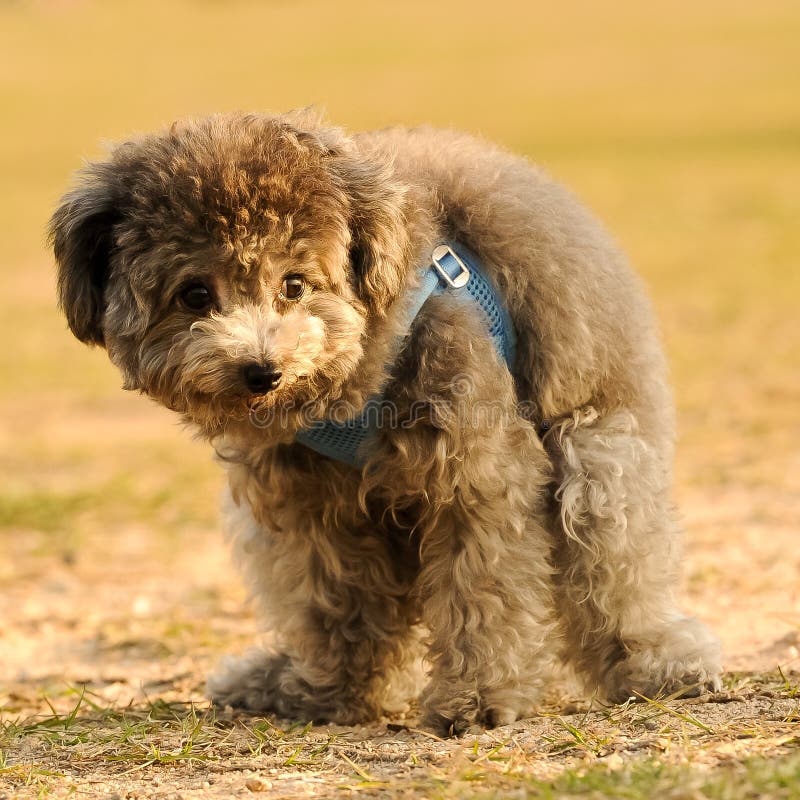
455 270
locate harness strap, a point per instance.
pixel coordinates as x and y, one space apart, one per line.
453 270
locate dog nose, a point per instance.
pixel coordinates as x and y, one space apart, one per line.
261 378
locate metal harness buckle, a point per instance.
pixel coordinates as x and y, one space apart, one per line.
462 278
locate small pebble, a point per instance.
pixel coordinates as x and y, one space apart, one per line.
614 761
258 784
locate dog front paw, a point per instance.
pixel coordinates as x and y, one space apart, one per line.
455 713
251 682
262 682
681 660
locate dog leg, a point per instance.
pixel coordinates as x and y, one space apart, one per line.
485 584
340 613
617 557
478 475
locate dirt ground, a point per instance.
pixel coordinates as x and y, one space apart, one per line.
106 641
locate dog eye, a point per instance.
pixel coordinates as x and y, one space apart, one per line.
292 287
196 297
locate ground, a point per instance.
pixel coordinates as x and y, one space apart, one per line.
107 638
677 123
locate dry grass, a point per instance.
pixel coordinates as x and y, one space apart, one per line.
161 748
678 123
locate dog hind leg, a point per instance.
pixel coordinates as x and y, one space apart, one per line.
617 556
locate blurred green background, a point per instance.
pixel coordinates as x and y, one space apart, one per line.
677 122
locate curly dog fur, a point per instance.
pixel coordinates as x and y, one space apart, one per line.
465 536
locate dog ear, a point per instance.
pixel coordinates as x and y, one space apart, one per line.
81 233
380 246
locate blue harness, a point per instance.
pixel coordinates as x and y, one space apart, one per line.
453 270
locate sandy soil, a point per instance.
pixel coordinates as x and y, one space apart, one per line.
138 620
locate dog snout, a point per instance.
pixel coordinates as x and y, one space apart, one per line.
260 378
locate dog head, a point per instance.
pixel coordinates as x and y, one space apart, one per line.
233 263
